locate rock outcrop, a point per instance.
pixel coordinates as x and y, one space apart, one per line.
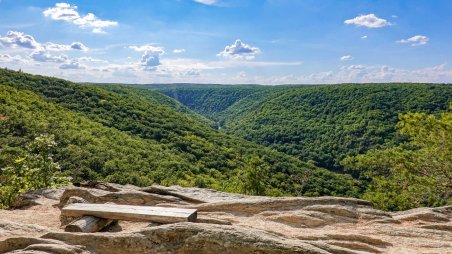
227 223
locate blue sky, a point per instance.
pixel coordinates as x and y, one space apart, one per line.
229 41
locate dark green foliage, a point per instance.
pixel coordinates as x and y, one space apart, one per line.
327 123
255 176
210 101
319 123
86 149
158 98
139 136
414 174
134 136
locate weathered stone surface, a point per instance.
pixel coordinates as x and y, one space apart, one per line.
13 229
39 245
424 214
126 197
229 223
188 238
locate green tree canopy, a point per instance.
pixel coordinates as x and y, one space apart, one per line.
416 173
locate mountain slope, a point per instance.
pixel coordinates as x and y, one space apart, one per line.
87 149
320 123
159 98
328 123
120 136
209 101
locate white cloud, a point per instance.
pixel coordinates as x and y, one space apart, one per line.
44 56
178 51
73 64
229 72
346 58
416 40
5 58
147 47
192 72
369 20
150 60
239 50
186 64
69 13
91 60
151 56
40 52
241 74
364 37
15 39
78 46
207 2
50 46
378 73
98 31
250 64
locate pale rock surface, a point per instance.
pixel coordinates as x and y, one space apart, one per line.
257 224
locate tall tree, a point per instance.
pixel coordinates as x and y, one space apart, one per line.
255 175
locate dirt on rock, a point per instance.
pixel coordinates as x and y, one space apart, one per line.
227 223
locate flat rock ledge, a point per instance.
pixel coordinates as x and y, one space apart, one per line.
227 223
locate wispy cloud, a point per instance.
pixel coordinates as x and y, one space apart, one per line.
416 40
371 73
69 13
369 20
346 58
178 51
251 64
73 64
6 58
146 47
44 56
206 2
61 47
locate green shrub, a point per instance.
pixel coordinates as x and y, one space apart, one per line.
32 170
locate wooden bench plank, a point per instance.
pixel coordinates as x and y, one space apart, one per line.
133 213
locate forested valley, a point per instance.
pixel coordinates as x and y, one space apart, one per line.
388 143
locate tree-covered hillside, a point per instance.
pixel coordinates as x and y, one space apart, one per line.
209 101
150 95
320 123
414 174
130 136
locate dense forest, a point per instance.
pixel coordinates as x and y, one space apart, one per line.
209 101
354 140
323 124
123 135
